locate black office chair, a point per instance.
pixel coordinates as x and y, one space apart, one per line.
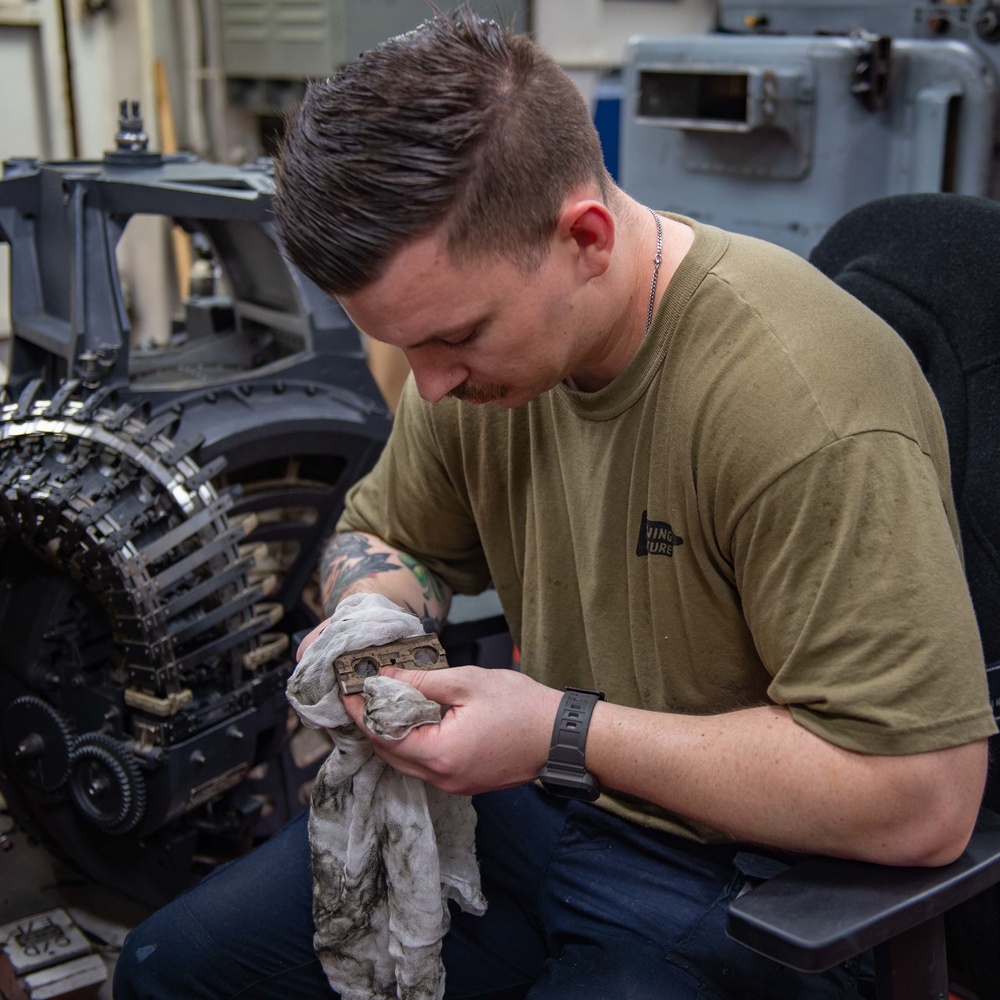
929 264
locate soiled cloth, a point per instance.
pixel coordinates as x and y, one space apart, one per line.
388 851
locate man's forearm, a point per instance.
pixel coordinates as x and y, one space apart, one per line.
762 777
358 563
756 774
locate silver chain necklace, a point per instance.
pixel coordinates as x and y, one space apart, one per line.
657 260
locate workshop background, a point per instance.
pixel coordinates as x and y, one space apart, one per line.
772 118
213 78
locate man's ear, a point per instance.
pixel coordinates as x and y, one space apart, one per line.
589 227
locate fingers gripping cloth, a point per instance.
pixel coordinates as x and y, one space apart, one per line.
388 851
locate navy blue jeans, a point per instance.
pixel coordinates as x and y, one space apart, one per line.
582 906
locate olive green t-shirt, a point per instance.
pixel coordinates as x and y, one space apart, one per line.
757 510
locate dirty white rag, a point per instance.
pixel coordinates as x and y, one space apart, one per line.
388 851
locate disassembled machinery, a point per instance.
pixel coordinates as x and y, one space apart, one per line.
161 513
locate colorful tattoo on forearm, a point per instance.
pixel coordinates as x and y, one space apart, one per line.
429 583
347 559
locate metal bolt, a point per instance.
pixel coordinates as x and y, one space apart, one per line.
31 746
98 786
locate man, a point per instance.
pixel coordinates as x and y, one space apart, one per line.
704 482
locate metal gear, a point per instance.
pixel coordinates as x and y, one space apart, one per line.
36 743
106 783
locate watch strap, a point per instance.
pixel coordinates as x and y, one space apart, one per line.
565 772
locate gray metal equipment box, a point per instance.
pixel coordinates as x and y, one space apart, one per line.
954 20
295 39
778 137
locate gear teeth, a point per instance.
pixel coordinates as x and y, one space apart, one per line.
160 425
46 764
59 400
93 403
27 399
106 783
184 447
116 420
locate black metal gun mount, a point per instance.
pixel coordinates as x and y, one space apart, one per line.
162 511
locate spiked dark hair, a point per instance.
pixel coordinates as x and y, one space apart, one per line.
461 122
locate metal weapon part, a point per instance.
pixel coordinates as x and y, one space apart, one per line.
162 512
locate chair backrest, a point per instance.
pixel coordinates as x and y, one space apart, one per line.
929 265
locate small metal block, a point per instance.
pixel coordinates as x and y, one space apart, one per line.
417 652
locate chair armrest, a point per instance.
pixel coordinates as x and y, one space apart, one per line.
823 911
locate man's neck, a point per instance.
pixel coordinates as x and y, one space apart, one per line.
615 349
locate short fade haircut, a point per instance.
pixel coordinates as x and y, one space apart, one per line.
461 121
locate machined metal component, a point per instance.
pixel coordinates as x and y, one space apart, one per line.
106 783
36 740
105 493
872 72
161 513
169 705
418 652
130 135
988 23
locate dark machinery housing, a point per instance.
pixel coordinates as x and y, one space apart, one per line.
161 514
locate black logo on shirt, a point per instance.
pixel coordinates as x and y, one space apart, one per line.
656 538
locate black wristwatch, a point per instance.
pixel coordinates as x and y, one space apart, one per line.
565 772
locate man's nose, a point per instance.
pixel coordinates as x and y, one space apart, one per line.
434 379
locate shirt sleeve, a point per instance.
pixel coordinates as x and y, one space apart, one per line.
414 500
853 587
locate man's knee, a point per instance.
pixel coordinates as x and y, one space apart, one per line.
148 963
